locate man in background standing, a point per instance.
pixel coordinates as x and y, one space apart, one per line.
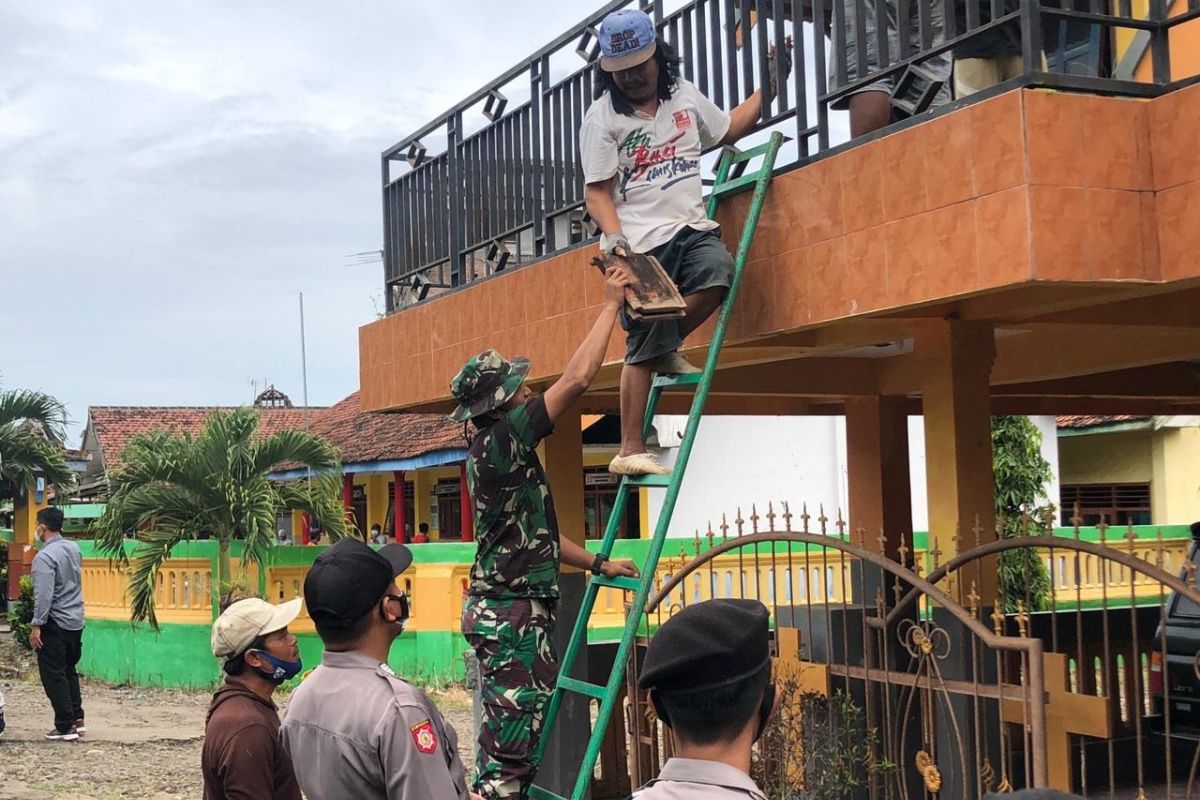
57 632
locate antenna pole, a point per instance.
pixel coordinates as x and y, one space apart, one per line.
303 354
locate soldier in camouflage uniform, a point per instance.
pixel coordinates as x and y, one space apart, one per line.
508 618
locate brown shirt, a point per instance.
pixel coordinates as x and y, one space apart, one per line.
242 757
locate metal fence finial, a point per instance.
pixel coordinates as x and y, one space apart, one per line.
998 618
1077 517
973 600
1022 619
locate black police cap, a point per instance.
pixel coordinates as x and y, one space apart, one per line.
349 578
708 645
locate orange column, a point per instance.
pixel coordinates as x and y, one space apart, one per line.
957 361
880 513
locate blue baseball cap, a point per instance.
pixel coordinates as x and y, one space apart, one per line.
626 39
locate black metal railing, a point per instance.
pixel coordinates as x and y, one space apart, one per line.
508 188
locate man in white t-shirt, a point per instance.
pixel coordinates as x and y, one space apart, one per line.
640 144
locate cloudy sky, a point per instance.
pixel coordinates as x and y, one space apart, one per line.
173 174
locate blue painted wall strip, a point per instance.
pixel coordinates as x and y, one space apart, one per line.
439 458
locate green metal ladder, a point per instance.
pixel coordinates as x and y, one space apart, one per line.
608 694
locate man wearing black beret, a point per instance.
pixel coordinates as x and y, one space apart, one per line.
708 671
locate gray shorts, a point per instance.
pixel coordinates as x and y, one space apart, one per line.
938 65
695 260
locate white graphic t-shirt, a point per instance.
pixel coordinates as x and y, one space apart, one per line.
655 162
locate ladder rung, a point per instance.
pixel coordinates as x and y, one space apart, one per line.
619 582
581 687
736 185
648 480
538 793
753 152
667 381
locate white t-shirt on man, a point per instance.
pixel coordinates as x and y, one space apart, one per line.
656 162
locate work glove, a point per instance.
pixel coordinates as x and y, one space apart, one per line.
609 243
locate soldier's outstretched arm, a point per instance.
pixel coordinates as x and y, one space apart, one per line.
583 366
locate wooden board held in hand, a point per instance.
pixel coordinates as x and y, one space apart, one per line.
652 295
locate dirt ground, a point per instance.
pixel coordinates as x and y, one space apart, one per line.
141 744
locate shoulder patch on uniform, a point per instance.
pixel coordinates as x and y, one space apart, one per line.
424 736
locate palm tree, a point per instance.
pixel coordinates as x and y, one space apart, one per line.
169 488
32 429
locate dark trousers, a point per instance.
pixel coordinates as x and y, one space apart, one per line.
61 651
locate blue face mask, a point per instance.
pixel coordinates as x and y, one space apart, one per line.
280 670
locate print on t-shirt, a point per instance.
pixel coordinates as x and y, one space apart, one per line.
661 165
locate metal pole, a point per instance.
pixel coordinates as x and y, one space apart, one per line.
304 385
303 354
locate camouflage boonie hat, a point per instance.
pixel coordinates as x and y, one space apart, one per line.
485 383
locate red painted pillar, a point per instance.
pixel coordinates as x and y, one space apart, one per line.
468 511
399 511
20 564
305 527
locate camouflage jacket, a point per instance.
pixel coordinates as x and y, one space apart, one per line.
515 526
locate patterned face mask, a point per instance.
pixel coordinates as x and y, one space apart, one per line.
281 670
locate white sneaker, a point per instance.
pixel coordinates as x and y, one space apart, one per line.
637 464
69 736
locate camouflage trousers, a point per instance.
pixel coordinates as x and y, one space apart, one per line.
517 672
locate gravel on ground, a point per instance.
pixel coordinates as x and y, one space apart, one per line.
141 743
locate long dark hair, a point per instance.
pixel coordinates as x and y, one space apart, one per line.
668 77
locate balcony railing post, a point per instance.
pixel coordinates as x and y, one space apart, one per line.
457 199
1031 36
533 179
1160 47
390 266
546 167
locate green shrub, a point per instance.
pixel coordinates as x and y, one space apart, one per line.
20 614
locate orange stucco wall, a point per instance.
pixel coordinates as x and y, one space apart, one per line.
1031 186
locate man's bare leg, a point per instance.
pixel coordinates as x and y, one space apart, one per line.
869 111
635 394
700 306
636 378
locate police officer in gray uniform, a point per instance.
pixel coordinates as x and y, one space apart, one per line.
353 728
708 670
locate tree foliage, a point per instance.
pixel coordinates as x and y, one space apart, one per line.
1021 474
32 429
170 488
